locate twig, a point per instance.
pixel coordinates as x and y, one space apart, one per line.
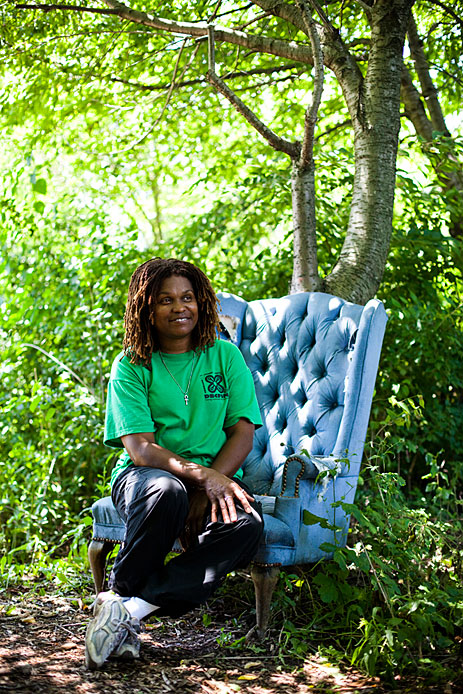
238 9
338 126
214 12
201 80
68 631
74 8
166 103
325 21
99 32
254 19
167 681
105 49
380 585
58 361
452 75
448 10
265 83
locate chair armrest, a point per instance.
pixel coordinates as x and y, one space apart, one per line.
309 467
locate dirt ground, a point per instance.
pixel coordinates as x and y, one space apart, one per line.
42 651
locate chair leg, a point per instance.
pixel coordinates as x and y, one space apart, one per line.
265 578
98 551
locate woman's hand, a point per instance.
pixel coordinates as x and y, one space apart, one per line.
222 492
219 493
194 524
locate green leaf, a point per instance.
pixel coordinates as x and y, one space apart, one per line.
40 186
309 518
34 403
326 588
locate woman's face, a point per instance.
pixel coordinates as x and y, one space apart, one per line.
175 314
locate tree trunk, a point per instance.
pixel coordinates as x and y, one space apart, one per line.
375 113
305 265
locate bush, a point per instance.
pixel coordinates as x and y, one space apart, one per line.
391 602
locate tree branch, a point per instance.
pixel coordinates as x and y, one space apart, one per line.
257 85
260 44
228 12
253 20
335 54
311 113
452 75
365 6
285 49
448 10
278 143
201 80
73 8
334 128
414 108
305 256
63 365
325 21
427 86
281 9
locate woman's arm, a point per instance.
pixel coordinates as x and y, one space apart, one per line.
215 481
237 446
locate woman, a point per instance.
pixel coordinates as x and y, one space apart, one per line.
182 405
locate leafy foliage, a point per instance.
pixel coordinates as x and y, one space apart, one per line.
421 358
391 601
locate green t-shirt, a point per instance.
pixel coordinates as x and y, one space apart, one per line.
220 393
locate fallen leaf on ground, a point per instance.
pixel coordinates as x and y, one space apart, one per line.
28 620
248 677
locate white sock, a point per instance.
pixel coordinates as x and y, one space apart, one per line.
139 608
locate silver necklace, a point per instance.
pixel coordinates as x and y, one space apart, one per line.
185 392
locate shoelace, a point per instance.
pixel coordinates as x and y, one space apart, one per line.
127 625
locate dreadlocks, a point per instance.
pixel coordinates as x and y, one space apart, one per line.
140 339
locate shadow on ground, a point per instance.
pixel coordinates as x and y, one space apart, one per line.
41 650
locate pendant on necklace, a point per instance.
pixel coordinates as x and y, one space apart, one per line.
186 398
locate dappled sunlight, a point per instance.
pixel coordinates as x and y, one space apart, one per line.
42 649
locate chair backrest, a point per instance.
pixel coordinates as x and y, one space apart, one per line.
314 359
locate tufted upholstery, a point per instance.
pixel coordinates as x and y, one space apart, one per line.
314 359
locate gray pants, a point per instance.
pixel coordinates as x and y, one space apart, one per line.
154 505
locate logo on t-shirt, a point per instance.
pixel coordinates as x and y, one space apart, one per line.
214 386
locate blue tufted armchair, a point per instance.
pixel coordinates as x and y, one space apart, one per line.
314 359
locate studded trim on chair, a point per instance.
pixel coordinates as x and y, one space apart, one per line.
106 539
298 477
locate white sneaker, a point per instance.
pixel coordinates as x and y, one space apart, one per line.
110 627
130 646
